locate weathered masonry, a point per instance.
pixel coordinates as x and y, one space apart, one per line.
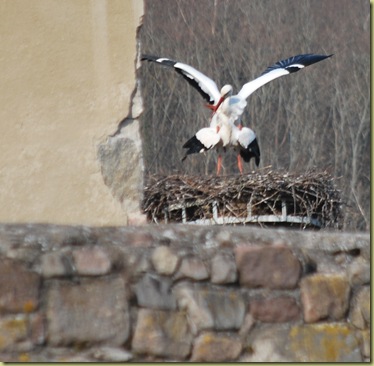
183 292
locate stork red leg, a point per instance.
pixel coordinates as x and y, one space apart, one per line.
219 164
240 164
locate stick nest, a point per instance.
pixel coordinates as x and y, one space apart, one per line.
312 194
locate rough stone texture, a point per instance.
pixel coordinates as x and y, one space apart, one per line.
120 158
91 261
267 344
37 328
324 296
211 309
328 342
111 354
366 343
56 264
193 268
275 310
274 267
223 269
164 260
359 272
155 292
87 312
360 309
19 287
213 347
13 330
162 333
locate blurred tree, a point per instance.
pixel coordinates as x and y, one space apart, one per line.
318 118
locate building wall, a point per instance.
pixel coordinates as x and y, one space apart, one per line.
67 74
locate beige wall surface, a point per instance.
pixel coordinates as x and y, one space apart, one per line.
67 72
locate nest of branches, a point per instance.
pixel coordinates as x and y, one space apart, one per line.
312 194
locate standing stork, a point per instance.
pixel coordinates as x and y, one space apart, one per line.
226 128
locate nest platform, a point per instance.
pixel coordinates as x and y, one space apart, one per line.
262 197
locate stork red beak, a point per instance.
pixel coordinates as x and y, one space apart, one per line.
215 107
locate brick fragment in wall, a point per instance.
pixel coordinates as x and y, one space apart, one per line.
19 287
324 342
216 347
209 308
275 310
154 292
324 296
359 314
162 333
274 267
87 312
193 268
223 268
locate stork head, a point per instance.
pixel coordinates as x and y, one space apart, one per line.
226 91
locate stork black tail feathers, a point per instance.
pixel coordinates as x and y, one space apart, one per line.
252 151
194 146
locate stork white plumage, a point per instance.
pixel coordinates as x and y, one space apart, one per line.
229 108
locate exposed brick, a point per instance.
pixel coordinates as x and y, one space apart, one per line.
324 296
326 342
91 261
19 288
162 333
274 267
223 269
275 310
87 312
213 347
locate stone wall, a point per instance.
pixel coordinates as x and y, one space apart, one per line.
182 292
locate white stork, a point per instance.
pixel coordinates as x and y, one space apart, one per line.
225 126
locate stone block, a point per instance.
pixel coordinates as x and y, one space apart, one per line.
155 292
325 342
273 267
89 312
162 333
275 310
267 343
91 261
19 288
192 268
366 344
223 269
213 347
56 264
359 314
359 272
111 354
211 309
13 330
164 260
324 296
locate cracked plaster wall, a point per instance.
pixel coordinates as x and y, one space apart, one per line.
67 76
